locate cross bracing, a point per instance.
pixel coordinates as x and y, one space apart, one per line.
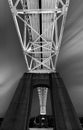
40 25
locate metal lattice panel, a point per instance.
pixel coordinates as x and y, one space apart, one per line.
40 25
42 92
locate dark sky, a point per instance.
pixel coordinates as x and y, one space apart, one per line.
70 62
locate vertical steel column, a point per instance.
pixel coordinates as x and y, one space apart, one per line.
17 116
65 115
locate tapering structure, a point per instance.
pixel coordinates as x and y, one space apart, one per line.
40 25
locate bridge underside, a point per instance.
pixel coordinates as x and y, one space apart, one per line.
40 25
19 112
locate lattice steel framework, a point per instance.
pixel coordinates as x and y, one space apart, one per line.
40 28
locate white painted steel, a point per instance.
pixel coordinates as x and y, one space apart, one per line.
42 92
41 55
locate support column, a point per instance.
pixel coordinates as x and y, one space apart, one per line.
65 115
17 116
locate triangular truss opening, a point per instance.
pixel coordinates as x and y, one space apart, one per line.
19 5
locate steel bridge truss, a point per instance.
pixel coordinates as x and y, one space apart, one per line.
40 52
